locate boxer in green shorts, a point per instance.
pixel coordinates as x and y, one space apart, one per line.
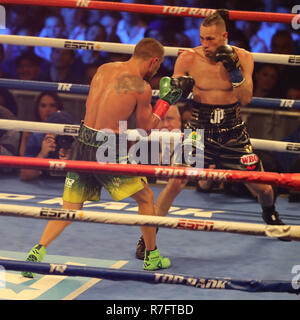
80 187
118 91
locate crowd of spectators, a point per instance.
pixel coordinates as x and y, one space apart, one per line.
48 64
79 66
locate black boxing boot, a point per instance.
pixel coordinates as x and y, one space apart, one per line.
271 217
140 248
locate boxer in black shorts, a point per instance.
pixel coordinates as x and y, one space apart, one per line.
223 83
227 142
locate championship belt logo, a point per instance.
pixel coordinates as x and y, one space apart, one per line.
250 161
217 116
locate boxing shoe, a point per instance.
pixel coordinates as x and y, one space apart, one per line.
36 254
271 217
140 249
154 261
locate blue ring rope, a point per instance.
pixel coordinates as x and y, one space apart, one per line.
84 89
218 283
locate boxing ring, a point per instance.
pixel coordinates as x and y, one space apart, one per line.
235 256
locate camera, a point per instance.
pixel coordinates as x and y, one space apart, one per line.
63 141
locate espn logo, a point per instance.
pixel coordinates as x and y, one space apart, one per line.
293 147
70 44
294 59
195 224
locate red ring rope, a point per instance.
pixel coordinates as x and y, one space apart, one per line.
157 9
280 179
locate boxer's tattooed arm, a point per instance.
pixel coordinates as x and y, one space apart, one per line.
128 82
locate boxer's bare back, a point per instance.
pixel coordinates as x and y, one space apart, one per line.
116 89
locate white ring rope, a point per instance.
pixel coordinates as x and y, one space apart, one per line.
128 48
134 135
292 232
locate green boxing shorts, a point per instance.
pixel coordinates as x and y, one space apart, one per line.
80 187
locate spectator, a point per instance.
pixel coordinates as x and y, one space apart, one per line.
17 50
287 159
95 32
54 28
293 91
74 23
268 29
290 162
17 18
8 101
9 140
46 103
3 72
64 67
191 29
239 39
28 67
282 43
94 16
89 73
110 21
157 29
47 145
171 120
250 29
182 40
130 28
265 81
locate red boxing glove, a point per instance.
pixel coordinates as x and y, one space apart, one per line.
160 109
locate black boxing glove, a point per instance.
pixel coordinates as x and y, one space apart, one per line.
186 84
230 60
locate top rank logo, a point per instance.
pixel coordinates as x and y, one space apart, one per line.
197 12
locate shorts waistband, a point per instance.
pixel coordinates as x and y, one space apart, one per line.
214 106
93 137
207 116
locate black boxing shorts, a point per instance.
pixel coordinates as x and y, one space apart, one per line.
226 140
